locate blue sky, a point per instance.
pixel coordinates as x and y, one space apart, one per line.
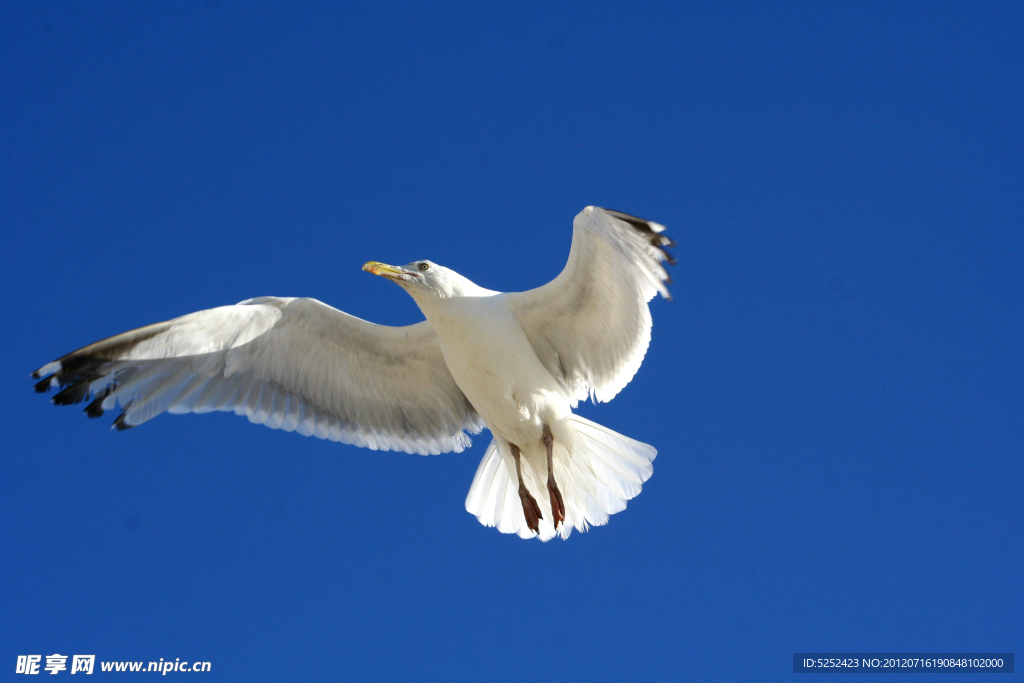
835 390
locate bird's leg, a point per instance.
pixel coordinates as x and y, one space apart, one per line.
530 507
557 506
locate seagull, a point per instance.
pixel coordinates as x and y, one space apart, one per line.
515 363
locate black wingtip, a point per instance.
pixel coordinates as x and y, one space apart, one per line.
95 409
43 385
654 235
119 423
637 222
74 393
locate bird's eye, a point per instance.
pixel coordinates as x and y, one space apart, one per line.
424 266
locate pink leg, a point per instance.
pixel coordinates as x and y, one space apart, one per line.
557 506
530 507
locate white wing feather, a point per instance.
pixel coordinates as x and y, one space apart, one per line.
591 325
292 364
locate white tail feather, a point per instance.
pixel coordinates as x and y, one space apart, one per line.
603 470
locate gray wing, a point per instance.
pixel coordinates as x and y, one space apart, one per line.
591 325
292 364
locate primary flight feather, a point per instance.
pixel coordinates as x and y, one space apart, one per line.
515 363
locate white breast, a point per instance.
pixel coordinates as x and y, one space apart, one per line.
494 364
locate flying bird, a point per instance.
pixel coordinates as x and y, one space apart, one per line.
515 363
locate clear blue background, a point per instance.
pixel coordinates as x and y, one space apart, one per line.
836 392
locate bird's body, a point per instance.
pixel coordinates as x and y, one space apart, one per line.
495 366
493 363
515 363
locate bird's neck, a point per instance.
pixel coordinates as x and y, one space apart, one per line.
462 293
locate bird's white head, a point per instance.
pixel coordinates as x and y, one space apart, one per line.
426 279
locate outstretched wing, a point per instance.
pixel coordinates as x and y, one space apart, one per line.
591 326
292 364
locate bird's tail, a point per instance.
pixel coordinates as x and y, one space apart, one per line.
597 474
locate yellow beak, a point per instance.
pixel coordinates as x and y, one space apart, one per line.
383 269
